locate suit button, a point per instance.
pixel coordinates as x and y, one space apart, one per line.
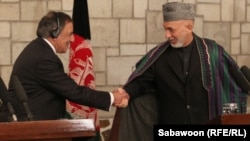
188 106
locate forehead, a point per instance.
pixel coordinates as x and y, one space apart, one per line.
168 24
68 26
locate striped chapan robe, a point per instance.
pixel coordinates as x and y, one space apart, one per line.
137 120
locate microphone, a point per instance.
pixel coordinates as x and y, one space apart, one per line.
240 79
1 104
6 99
246 71
21 94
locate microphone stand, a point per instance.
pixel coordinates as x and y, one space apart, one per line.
29 114
13 116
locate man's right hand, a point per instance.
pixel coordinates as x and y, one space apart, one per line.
121 97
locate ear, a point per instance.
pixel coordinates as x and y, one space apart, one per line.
190 25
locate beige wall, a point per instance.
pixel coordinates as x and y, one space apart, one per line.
122 31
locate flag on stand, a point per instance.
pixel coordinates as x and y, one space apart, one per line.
81 62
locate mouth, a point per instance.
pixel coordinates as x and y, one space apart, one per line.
172 41
68 45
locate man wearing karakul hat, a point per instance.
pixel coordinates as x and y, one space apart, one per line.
183 80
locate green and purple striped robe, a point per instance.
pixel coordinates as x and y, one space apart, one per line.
217 78
136 121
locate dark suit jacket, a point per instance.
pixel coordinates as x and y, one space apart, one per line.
47 85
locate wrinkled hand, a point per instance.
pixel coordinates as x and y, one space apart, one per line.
121 98
123 104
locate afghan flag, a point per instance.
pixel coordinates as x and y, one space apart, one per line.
81 62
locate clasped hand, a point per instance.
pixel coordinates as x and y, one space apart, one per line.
121 98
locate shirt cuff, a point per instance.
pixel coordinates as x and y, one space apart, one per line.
111 99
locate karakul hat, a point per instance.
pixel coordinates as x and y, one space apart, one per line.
178 11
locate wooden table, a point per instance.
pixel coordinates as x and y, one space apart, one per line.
47 130
231 119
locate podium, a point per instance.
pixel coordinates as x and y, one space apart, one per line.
237 119
47 130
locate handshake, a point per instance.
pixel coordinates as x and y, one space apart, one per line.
121 98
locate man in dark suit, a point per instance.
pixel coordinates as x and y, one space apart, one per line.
42 75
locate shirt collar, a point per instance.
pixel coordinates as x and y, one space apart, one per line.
51 46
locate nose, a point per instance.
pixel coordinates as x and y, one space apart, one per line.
167 34
72 38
